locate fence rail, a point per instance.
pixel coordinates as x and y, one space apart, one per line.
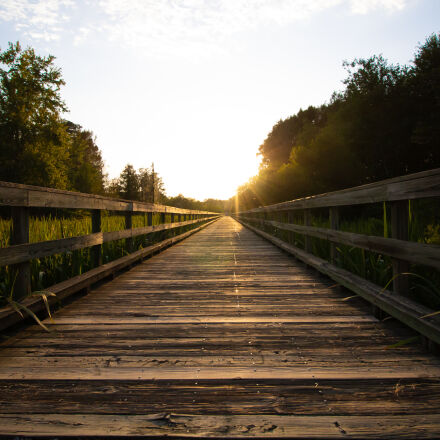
21 198
267 220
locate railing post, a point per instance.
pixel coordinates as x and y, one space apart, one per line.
399 230
162 221
21 272
291 220
334 224
172 219
307 222
96 227
129 225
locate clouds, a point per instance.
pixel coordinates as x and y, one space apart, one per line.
40 19
164 24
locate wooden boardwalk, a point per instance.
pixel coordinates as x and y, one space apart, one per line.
222 335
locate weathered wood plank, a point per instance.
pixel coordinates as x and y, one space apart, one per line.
220 374
245 397
220 426
21 271
14 194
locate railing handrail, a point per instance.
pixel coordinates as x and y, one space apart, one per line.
18 255
17 194
412 186
269 220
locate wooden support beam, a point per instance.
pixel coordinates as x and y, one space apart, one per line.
307 222
96 251
21 272
399 230
334 224
129 225
291 220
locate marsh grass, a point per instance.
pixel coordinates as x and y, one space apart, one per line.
423 227
48 271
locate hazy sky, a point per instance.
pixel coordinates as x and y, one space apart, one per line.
196 85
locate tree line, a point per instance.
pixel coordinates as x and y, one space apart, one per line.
38 146
385 123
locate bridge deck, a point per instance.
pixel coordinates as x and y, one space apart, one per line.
222 335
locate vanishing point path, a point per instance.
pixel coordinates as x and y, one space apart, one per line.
222 335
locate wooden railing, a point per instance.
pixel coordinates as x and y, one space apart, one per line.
267 220
21 198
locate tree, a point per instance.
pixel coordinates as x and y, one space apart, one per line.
386 123
32 136
151 186
129 183
85 161
426 96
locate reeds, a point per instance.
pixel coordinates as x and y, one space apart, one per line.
51 270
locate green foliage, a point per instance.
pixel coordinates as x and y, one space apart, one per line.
211 205
385 123
144 185
32 139
85 171
37 146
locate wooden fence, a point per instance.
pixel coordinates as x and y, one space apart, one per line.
268 220
21 198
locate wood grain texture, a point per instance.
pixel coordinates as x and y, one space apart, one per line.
15 194
221 336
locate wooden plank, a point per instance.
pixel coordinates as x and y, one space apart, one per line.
417 253
307 223
207 319
21 271
334 224
301 397
399 230
403 309
220 426
128 227
96 251
14 194
13 359
222 373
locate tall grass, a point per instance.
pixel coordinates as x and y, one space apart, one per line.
423 227
48 271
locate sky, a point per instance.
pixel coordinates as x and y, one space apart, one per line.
195 86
